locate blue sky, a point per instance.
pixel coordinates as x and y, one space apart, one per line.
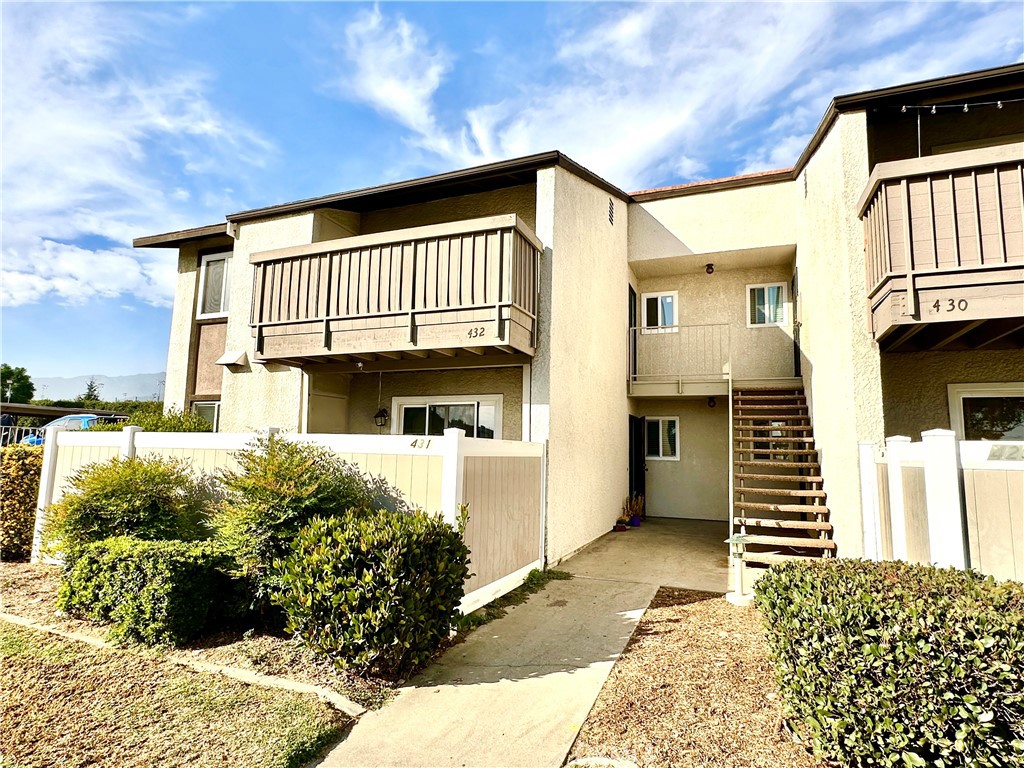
121 120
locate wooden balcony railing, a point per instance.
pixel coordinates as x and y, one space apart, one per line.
465 285
942 229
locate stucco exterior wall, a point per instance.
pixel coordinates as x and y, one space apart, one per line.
520 199
695 487
765 352
914 384
731 219
840 362
588 463
259 395
363 398
182 318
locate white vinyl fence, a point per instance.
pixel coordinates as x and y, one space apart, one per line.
953 503
502 481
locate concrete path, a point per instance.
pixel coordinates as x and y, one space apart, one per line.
518 690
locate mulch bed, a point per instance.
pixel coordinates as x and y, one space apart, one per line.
30 591
694 687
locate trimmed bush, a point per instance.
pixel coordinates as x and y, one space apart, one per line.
146 498
378 591
153 592
885 664
20 468
152 418
280 486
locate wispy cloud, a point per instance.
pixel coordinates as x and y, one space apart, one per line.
80 178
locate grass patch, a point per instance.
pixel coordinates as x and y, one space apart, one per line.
66 703
535 581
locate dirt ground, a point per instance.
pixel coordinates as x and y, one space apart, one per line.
694 687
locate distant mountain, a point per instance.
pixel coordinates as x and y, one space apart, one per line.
139 386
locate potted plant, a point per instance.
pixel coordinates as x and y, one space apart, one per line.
633 508
622 523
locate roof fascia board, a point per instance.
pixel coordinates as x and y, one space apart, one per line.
174 239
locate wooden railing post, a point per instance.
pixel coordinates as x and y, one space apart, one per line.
942 494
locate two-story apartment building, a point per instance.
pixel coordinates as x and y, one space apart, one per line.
721 347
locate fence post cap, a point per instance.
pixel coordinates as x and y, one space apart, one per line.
938 433
454 432
898 439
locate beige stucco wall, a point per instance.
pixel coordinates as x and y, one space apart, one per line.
721 297
259 395
840 362
182 319
697 485
581 370
520 199
363 397
914 384
732 219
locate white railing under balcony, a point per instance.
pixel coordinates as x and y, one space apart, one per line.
680 353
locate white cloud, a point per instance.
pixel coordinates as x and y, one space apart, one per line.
80 117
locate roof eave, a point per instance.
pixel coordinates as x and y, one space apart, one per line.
181 237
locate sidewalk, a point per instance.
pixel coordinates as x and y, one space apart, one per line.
518 690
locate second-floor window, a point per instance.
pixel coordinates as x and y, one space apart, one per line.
659 312
213 285
766 305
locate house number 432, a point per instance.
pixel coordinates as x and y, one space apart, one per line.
949 305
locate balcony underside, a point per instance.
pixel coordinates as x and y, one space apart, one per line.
953 335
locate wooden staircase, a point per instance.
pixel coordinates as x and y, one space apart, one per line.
779 505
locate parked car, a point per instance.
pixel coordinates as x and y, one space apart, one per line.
75 421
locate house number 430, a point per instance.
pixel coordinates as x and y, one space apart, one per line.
951 305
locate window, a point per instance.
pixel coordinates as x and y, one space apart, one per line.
659 312
209 412
662 438
766 305
987 411
213 285
478 415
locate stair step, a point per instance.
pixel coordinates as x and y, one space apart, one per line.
807 494
773 440
781 450
772 428
765 418
769 558
771 522
790 541
770 463
779 478
766 407
763 506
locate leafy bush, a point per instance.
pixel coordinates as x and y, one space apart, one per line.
154 592
146 498
279 487
378 591
20 467
154 419
896 664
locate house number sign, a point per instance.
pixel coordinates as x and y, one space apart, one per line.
949 305
476 333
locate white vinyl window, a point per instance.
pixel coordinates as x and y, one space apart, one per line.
209 412
477 415
662 438
766 305
213 285
659 312
987 411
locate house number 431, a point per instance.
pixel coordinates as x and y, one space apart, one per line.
949 305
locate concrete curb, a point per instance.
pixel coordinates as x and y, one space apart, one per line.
332 698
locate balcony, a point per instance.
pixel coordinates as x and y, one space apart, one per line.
944 247
406 298
679 361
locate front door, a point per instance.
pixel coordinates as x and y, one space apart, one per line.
637 457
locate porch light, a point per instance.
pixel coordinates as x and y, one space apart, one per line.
380 418
712 402
709 268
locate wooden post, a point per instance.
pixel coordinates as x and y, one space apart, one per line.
894 450
870 514
46 483
942 493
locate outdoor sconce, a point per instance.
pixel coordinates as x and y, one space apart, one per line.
712 402
380 418
709 268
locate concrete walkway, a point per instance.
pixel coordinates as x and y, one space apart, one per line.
518 690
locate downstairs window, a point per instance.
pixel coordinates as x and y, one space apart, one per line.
478 416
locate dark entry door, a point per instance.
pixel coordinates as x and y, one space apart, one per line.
637 457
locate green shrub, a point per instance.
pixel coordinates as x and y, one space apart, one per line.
153 418
895 664
280 486
20 467
153 592
377 591
146 498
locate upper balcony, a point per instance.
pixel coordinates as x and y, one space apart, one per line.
944 248
412 297
679 361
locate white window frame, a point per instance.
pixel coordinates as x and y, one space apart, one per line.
216 411
660 419
785 304
224 256
957 392
399 403
660 327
